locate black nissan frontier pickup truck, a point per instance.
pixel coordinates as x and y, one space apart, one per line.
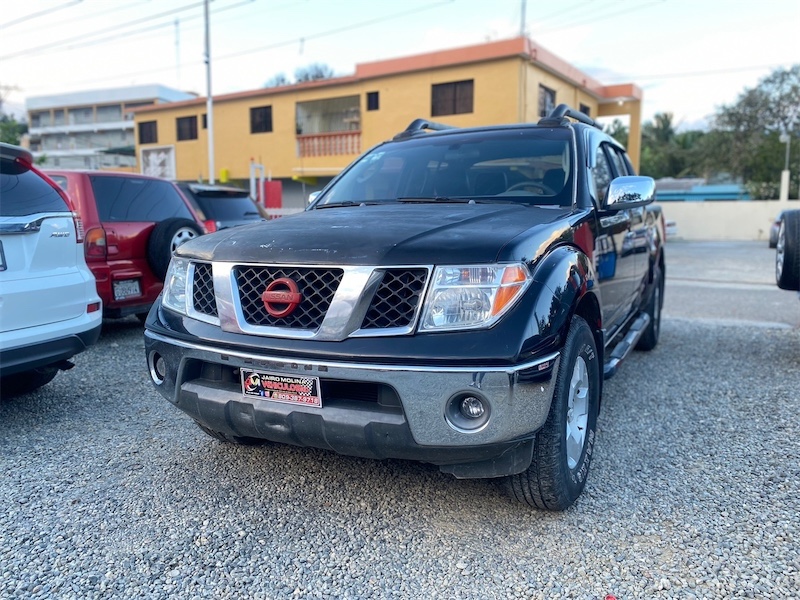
455 296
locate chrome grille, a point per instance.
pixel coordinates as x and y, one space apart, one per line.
203 298
316 285
396 300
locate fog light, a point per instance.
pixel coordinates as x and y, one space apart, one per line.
158 368
472 408
468 412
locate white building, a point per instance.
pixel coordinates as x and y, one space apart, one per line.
91 129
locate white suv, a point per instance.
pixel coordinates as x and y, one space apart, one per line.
49 307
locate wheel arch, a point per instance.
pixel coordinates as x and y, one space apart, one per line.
578 293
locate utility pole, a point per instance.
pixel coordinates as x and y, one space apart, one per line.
784 193
523 30
178 53
209 100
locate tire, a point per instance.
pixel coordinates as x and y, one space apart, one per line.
165 238
649 339
231 439
24 383
564 447
787 255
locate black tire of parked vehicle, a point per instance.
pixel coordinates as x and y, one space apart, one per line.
787 255
23 383
550 482
165 238
649 339
231 439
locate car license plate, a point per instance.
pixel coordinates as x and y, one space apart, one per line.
127 288
282 388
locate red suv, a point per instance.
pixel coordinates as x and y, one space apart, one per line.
133 223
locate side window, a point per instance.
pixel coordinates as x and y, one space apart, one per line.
620 166
135 199
61 181
601 176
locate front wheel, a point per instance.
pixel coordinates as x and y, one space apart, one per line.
564 446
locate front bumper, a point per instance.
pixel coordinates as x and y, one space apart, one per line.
371 410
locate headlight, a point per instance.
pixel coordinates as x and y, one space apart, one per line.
472 296
176 284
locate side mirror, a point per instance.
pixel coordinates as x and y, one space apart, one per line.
630 191
313 196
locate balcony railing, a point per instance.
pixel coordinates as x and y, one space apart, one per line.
329 144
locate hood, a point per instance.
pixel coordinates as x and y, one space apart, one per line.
383 235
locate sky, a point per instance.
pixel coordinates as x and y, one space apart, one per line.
689 56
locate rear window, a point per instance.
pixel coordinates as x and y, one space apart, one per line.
226 206
24 192
136 199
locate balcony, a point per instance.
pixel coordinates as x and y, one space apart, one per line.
329 144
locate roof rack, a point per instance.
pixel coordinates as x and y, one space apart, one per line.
558 117
419 125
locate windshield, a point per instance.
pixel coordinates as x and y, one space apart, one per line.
532 166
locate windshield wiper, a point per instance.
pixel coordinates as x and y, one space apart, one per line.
347 203
437 199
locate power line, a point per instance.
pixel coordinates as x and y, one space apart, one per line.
134 32
60 43
329 32
117 7
605 17
39 14
696 73
358 25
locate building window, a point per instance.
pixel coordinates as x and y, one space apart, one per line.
187 128
586 110
547 100
373 101
453 98
148 132
205 121
261 119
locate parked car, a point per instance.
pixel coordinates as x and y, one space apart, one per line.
133 224
50 307
774 229
787 253
221 206
455 296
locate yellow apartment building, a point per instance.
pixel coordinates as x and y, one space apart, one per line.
304 134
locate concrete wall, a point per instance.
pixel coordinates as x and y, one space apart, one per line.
735 220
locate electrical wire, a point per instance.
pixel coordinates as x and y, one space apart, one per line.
61 43
39 14
330 32
293 41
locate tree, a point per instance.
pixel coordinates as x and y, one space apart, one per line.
618 130
278 80
11 130
747 132
313 72
661 154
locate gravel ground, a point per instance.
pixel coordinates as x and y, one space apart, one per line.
110 492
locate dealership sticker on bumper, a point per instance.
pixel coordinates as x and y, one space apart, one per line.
282 388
